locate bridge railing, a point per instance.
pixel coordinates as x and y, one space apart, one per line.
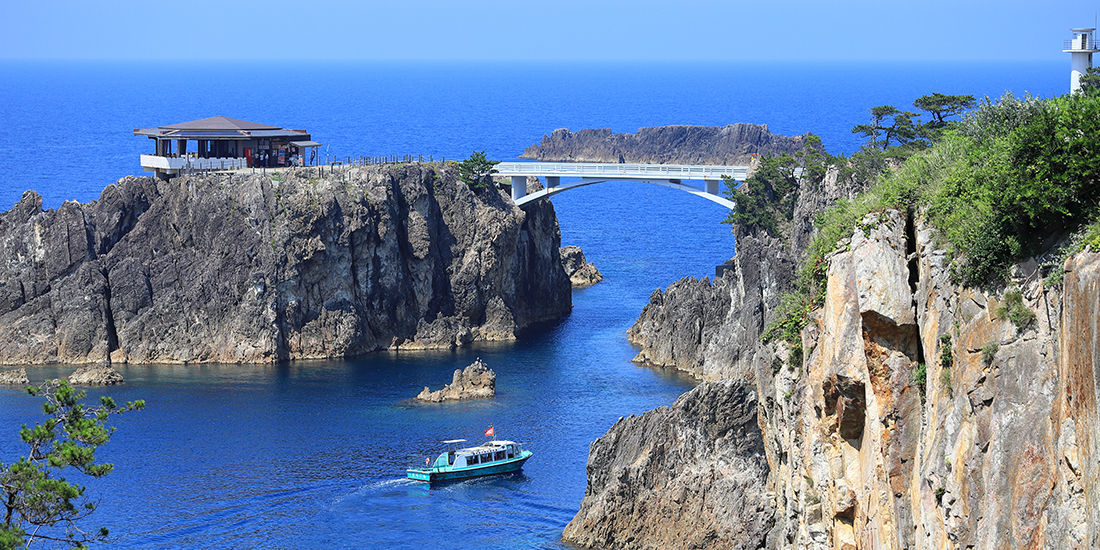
581 169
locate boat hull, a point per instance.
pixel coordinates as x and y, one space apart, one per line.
431 475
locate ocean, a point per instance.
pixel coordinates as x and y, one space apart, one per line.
312 454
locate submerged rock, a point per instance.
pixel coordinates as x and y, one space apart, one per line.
476 381
95 375
14 377
581 272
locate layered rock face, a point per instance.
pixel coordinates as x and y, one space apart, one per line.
477 381
733 144
997 447
686 476
254 268
990 456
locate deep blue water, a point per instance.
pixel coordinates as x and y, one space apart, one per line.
312 454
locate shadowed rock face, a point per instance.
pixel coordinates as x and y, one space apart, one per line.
687 476
251 268
733 144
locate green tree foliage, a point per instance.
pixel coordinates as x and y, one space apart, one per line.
1090 82
995 185
766 200
941 107
477 170
38 505
888 124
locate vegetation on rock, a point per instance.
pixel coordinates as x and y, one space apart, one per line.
477 170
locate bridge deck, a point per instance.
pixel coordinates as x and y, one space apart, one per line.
668 175
621 171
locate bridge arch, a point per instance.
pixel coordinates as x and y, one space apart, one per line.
667 175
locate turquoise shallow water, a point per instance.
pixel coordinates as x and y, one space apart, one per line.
312 454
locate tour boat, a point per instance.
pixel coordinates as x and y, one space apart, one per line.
489 458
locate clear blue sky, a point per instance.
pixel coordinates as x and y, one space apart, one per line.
542 30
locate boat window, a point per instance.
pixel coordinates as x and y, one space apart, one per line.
451 458
487 457
499 455
472 459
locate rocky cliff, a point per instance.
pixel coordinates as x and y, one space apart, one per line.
733 144
920 417
712 329
255 268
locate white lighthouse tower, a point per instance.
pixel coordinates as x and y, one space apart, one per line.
1080 48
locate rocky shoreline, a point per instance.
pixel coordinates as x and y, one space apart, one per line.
266 268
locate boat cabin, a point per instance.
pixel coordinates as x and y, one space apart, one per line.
487 453
223 143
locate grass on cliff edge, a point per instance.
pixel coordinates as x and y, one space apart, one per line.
1002 184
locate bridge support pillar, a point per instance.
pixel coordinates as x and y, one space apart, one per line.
713 186
519 187
553 181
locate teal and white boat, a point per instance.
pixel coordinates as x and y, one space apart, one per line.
489 458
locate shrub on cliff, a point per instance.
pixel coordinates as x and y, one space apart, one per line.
476 170
766 200
1014 172
38 506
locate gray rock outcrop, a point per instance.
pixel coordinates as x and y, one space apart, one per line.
733 144
581 272
95 375
687 476
477 381
14 377
254 268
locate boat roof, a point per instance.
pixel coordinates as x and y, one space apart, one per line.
488 446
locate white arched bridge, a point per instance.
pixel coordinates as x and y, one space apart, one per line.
668 175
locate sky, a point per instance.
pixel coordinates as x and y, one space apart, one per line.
567 30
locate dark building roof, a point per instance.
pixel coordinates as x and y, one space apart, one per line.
219 127
218 123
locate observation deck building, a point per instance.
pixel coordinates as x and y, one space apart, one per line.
223 143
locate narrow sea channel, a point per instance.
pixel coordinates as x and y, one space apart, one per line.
312 454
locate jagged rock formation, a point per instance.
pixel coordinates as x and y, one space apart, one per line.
996 449
686 476
477 381
95 375
733 144
581 272
14 377
254 268
712 329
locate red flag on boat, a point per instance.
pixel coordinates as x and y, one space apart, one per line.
490 432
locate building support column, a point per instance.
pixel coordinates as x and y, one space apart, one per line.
519 187
713 186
